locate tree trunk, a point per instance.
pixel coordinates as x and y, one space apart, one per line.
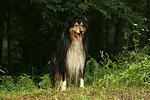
2 18
148 12
8 38
107 35
119 37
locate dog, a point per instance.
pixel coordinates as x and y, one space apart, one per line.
68 62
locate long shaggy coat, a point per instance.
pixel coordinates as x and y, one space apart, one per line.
70 56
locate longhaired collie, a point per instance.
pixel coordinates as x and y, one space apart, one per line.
68 62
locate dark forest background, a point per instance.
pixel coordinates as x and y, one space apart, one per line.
30 30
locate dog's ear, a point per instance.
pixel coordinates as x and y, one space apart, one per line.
84 17
72 16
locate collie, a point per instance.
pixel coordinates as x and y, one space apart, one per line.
69 59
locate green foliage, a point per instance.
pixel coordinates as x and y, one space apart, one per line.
25 82
92 71
137 74
14 84
138 34
46 82
1 70
138 67
7 84
131 69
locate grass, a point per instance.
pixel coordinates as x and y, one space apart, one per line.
128 78
92 92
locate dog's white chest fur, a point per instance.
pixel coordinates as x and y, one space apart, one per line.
75 59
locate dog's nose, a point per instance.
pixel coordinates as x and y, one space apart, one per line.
81 31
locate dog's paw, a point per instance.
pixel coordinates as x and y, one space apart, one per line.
81 83
63 88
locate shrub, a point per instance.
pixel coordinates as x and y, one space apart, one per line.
130 68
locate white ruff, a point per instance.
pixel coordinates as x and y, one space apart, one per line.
75 59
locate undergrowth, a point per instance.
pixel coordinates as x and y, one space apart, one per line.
128 69
124 71
14 84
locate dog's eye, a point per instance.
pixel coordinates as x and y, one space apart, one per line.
75 25
82 25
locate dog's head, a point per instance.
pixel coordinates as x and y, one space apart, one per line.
78 26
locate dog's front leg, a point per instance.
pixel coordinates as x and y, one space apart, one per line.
82 77
63 85
81 82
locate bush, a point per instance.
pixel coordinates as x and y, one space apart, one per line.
138 70
131 68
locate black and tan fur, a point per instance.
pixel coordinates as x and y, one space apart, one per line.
70 56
